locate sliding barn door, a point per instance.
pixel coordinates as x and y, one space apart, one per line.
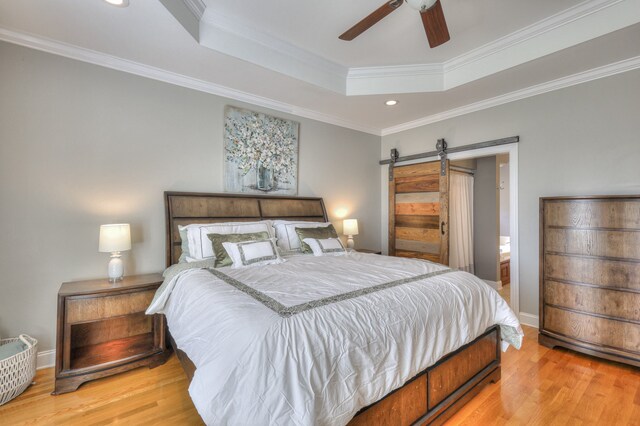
419 212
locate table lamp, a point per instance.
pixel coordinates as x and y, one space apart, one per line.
350 228
115 238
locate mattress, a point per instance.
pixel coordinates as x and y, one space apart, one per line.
313 340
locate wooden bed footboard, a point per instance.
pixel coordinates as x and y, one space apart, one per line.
432 396
437 393
429 398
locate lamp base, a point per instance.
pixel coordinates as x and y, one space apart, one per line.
116 268
350 243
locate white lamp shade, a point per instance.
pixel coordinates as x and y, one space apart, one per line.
114 237
350 227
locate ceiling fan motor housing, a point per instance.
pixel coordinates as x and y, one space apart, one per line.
421 5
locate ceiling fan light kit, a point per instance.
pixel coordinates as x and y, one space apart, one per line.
431 13
421 5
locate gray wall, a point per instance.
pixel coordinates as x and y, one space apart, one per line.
82 145
583 139
504 194
485 220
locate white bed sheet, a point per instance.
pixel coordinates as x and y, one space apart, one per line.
304 362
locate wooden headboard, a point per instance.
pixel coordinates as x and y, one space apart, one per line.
184 208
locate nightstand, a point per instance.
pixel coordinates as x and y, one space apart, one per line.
369 251
102 330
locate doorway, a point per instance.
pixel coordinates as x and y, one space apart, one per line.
479 220
501 221
509 151
504 188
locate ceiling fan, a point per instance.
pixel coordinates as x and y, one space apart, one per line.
432 19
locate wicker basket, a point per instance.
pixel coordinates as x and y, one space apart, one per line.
17 372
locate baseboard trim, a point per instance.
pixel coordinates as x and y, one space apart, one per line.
46 359
529 319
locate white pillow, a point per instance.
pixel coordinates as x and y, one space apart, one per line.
200 246
326 247
286 233
253 253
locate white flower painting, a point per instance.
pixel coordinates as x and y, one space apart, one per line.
261 153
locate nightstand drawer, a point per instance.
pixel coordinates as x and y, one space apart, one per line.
96 308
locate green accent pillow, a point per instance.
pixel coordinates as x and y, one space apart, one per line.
321 233
221 256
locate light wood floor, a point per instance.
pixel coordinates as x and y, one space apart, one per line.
505 292
539 386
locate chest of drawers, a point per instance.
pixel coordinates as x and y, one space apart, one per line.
590 275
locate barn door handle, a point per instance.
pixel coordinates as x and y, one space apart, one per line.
442 227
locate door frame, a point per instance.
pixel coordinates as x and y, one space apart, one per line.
512 150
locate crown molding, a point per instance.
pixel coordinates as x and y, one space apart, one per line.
108 61
561 83
558 20
131 67
583 22
232 37
580 23
395 79
396 70
196 7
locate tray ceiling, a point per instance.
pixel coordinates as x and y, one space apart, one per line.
299 39
290 59
398 39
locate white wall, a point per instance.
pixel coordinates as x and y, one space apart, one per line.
82 145
485 220
583 139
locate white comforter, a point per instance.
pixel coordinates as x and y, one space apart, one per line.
313 340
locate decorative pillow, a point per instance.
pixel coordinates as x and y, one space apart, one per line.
253 253
221 255
200 246
185 244
285 232
325 247
321 233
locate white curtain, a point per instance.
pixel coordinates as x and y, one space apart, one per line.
461 221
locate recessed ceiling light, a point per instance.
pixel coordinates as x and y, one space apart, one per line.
119 3
391 102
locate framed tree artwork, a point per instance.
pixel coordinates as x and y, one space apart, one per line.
261 153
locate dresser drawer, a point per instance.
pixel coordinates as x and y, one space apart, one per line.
595 330
594 213
593 242
611 303
588 270
96 308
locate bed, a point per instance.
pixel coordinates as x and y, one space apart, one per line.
255 346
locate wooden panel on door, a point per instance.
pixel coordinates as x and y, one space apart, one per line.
419 212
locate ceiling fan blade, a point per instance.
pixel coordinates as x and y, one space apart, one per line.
434 25
371 20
